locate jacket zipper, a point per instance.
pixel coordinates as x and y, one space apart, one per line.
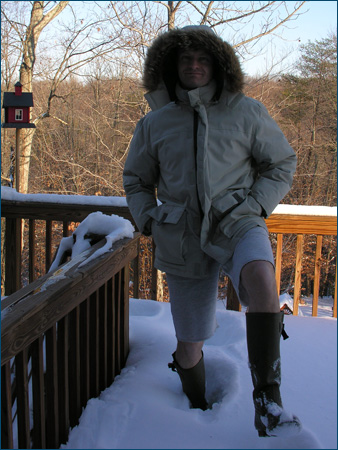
195 151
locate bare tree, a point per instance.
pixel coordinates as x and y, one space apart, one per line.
85 152
39 19
78 43
309 110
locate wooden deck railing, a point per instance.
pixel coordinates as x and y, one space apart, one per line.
49 213
64 338
302 225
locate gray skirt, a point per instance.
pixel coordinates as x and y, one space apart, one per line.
193 302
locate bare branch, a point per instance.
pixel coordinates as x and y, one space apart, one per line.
204 15
244 16
49 16
271 30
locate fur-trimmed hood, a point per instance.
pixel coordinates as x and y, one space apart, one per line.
161 61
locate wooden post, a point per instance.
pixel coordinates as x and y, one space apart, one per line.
317 276
21 361
335 297
136 273
17 159
6 407
154 273
298 274
13 255
159 287
233 303
17 233
278 269
125 314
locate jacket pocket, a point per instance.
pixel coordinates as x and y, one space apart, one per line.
242 213
169 233
224 203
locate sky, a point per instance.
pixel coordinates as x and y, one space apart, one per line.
317 20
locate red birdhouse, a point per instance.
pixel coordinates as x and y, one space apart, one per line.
17 108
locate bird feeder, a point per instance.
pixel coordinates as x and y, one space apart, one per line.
17 115
17 108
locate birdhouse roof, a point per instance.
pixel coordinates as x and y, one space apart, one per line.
23 100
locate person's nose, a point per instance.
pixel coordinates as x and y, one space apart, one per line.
195 63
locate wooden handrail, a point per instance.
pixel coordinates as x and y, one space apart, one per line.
302 224
71 212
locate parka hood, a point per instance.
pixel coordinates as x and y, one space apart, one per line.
161 61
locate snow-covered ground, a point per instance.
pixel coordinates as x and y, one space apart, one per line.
145 407
325 305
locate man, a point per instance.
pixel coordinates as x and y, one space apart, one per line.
219 164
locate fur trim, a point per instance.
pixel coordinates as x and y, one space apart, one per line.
161 60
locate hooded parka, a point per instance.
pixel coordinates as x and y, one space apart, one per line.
205 165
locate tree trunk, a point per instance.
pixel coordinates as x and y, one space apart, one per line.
38 22
171 16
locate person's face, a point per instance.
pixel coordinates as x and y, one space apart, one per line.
195 68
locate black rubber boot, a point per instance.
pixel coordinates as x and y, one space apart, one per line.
263 338
193 382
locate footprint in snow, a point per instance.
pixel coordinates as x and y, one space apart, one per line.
222 377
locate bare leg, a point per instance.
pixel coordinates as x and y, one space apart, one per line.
258 281
188 354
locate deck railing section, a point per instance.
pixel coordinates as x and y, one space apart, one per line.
281 224
64 338
301 225
33 213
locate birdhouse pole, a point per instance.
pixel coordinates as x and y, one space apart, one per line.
17 158
17 115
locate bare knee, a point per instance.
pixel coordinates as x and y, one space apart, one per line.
258 281
257 272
